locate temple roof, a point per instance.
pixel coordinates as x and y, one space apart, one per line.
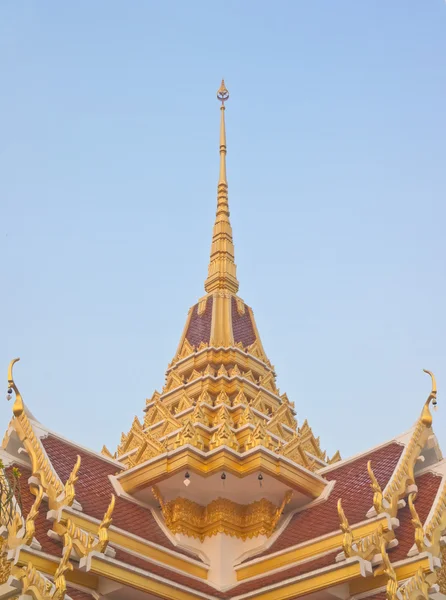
218 491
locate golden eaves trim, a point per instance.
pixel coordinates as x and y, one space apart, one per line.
307 550
222 349
311 582
206 463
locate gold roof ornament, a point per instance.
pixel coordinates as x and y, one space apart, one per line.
222 270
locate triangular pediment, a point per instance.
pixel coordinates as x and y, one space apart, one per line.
223 398
268 382
184 403
240 399
224 436
259 437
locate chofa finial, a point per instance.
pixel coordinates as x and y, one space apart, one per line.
18 407
223 93
426 416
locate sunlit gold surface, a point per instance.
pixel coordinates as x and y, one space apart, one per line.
221 516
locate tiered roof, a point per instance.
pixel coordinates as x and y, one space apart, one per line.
266 515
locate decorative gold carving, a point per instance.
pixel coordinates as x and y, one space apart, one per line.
223 416
224 436
247 418
335 458
403 475
221 516
106 452
37 586
5 564
240 399
441 573
199 416
22 532
223 398
184 403
249 375
69 492
205 398
189 435
387 569
258 437
202 306
82 542
195 375
209 371
416 522
235 371
365 547
222 372
416 588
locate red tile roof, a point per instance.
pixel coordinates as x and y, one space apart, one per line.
353 486
242 327
94 490
199 329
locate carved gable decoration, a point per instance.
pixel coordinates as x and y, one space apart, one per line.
155 397
235 371
258 437
284 416
184 403
259 404
268 382
149 448
173 381
224 436
189 435
209 371
195 375
240 399
223 416
186 349
248 375
247 418
308 441
205 398
158 413
256 350
223 398
294 451
222 371
199 416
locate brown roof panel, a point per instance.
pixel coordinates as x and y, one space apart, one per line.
199 329
242 326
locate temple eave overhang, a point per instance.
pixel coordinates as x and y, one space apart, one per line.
225 459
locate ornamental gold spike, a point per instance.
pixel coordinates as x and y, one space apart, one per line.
222 270
426 416
18 406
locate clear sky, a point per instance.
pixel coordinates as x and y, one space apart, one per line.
336 168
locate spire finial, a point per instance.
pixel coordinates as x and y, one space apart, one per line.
222 274
223 93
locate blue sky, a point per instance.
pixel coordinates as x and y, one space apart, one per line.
108 173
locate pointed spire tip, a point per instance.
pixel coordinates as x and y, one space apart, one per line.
223 94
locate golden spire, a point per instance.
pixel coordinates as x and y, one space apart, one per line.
222 270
